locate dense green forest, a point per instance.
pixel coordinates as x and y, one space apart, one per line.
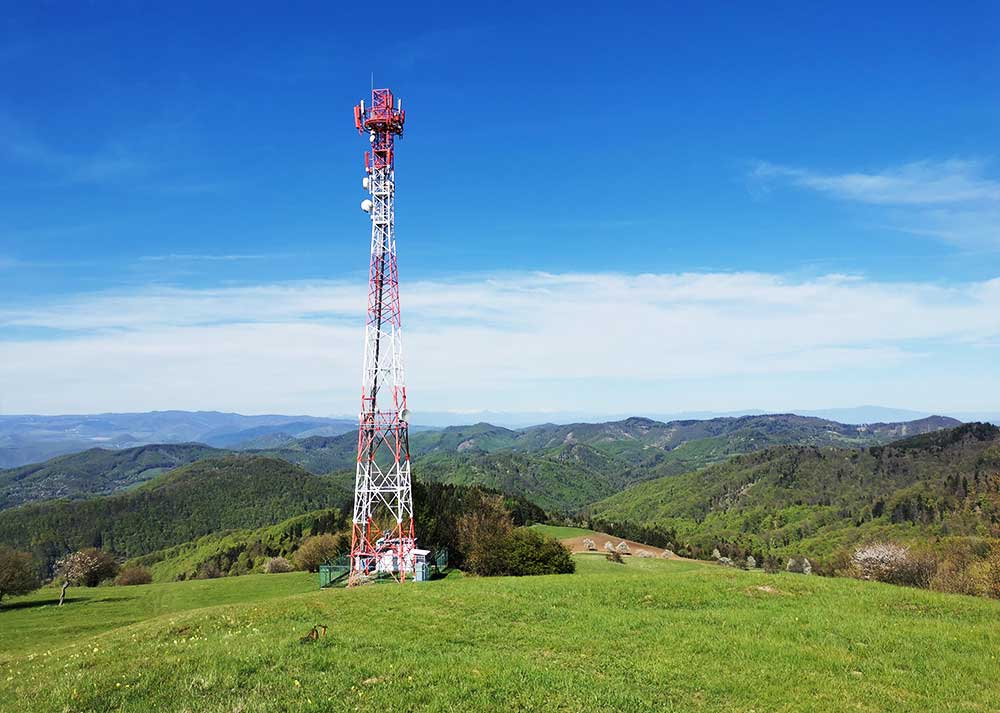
206 496
813 500
560 467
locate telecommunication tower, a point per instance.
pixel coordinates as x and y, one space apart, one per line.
382 539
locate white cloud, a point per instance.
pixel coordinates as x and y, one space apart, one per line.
517 342
953 200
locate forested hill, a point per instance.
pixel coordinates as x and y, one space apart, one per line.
560 467
813 499
206 496
97 471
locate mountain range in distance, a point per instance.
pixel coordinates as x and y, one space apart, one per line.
559 467
852 415
28 439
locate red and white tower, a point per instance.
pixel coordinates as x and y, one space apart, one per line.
382 540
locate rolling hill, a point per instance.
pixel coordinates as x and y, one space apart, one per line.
650 635
97 471
815 499
562 468
206 496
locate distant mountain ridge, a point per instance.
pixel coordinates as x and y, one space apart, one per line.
97 471
31 439
560 467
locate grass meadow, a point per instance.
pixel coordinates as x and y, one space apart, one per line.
646 635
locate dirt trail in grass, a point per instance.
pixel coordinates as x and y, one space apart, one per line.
575 544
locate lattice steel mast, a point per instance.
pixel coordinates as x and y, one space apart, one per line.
382 540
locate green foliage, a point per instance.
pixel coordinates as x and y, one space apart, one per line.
191 501
653 635
529 552
818 501
493 547
130 576
17 573
237 552
318 549
277 565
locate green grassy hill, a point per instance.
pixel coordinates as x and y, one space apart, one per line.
97 471
647 635
813 500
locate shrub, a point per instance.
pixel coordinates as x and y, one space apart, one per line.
209 570
17 573
894 564
130 576
955 572
317 549
772 565
277 565
528 552
642 554
482 535
993 573
494 548
751 563
799 565
614 555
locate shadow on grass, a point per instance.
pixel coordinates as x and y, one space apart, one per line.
4 606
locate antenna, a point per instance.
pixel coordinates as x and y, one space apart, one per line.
382 536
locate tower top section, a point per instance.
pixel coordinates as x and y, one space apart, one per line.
382 115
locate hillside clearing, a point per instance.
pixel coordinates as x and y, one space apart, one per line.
650 634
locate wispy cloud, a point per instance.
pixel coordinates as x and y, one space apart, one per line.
954 199
194 257
112 162
518 341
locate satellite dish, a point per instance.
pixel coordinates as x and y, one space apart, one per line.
366 205
364 182
404 415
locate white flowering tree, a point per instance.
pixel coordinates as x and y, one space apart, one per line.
879 561
87 567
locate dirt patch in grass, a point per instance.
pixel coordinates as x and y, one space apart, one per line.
764 589
575 544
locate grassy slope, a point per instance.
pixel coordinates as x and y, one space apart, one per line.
651 634
562 533
35 624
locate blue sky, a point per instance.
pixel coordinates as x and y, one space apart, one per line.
720 206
